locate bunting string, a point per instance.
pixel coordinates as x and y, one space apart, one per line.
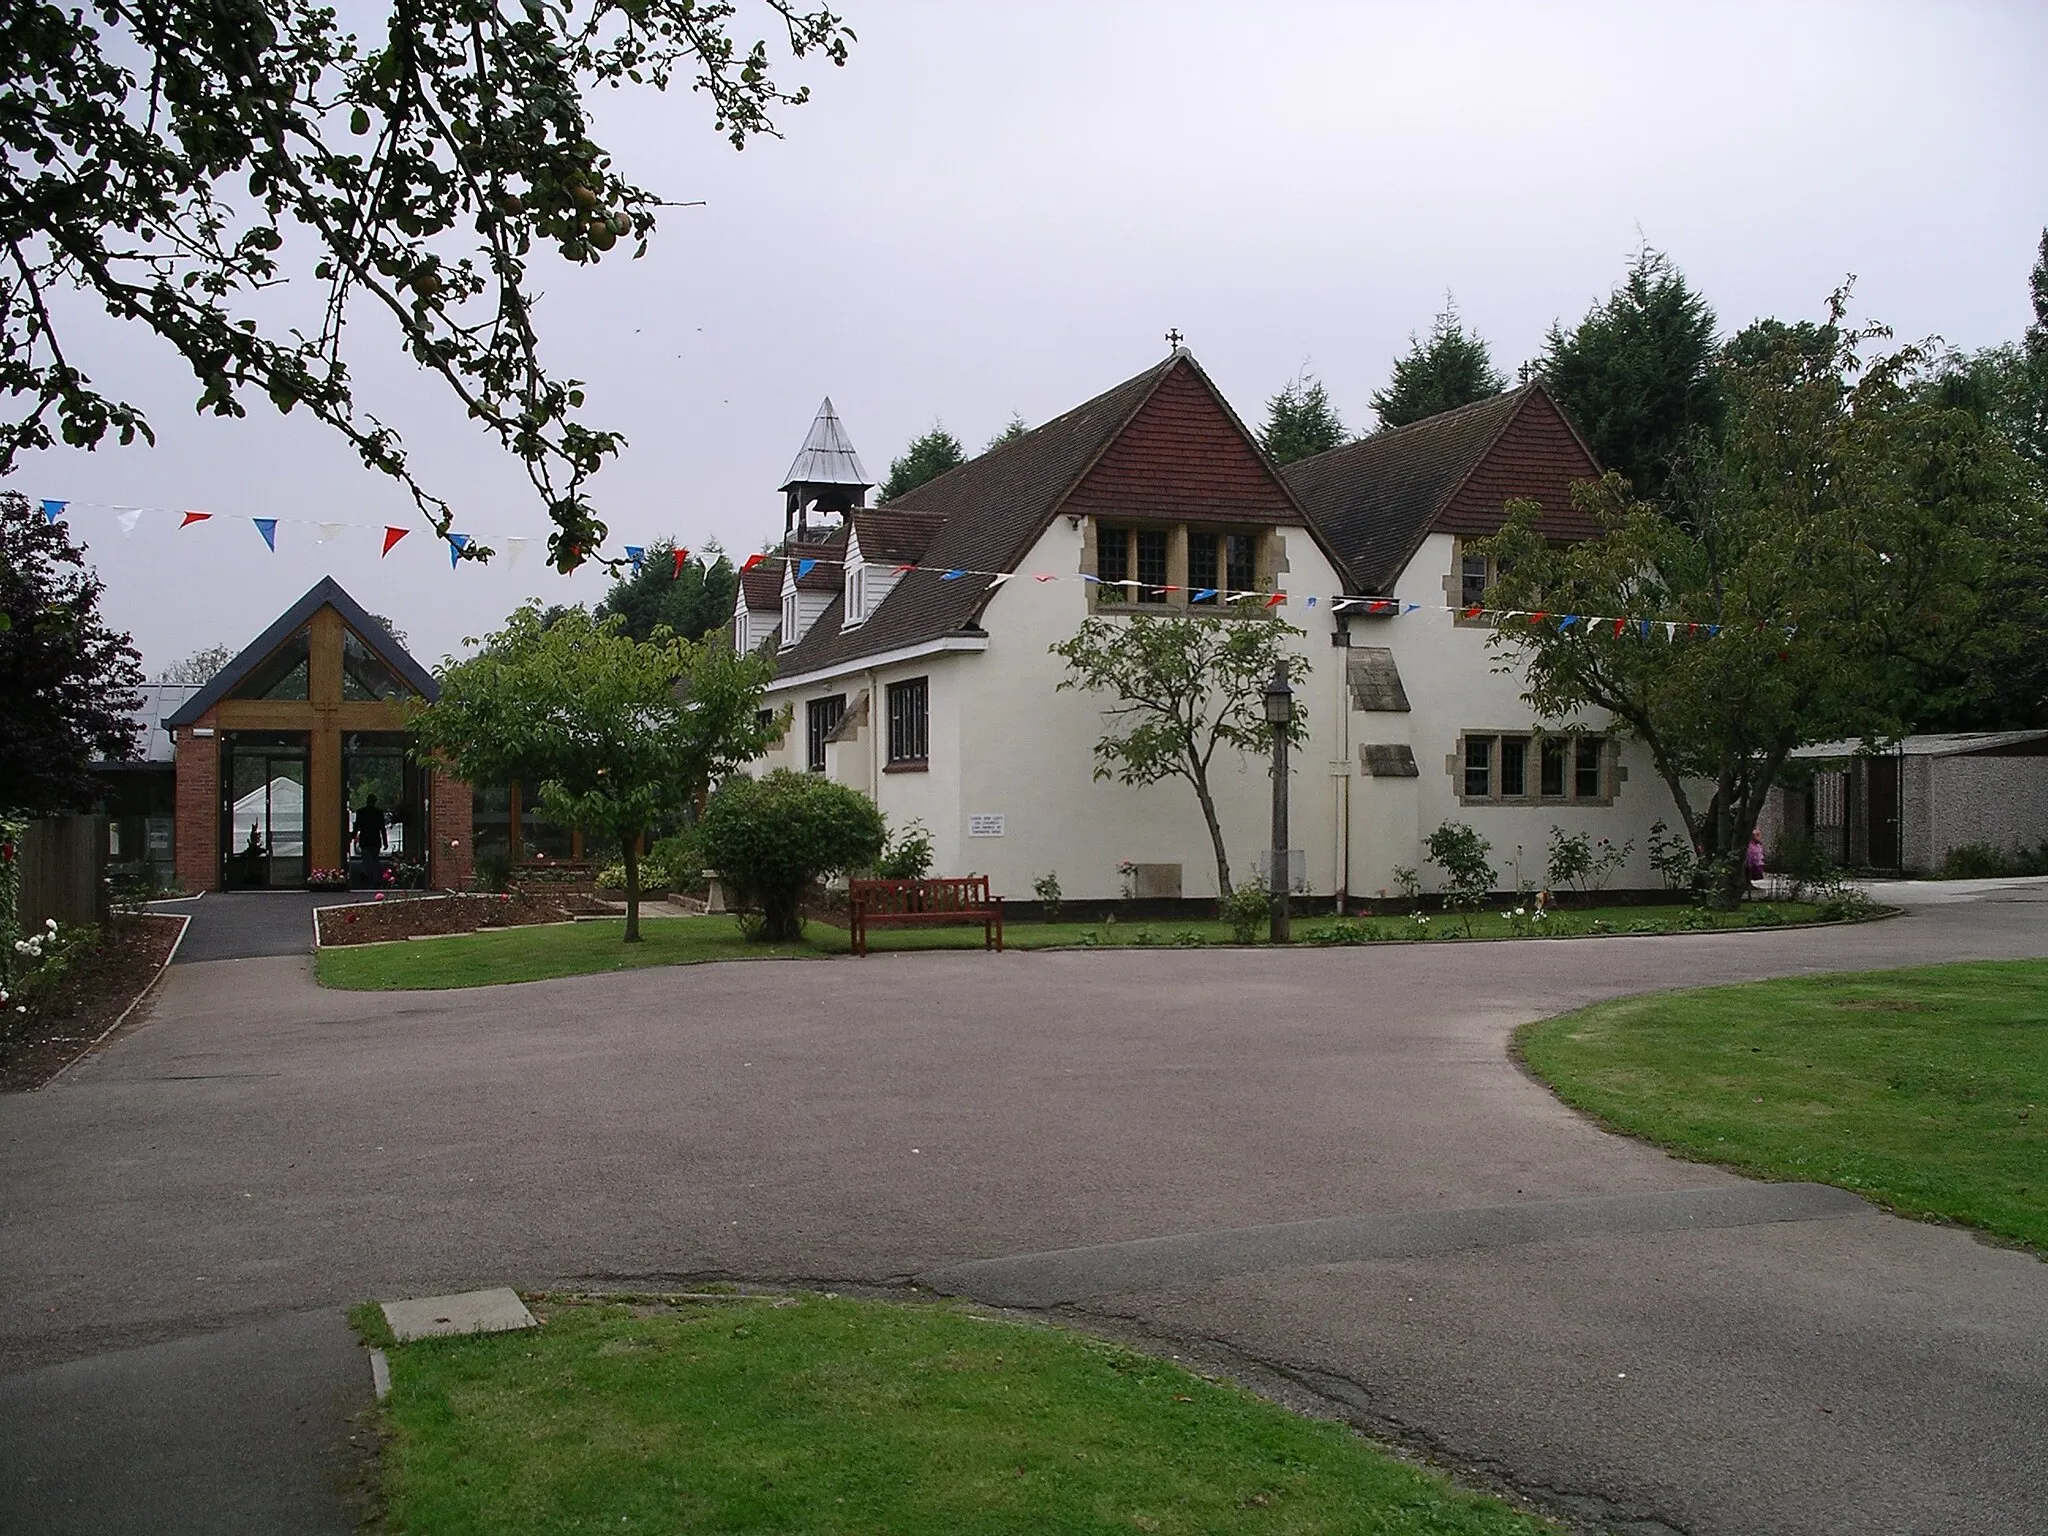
634 558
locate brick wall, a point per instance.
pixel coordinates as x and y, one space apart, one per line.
452 858
196 837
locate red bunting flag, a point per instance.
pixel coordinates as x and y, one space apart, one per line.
752 561
1276 599
1619 624
194 517
682 556
1474 611
391 537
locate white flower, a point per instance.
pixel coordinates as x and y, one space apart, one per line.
1519 912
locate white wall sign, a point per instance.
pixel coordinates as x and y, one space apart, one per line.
984 826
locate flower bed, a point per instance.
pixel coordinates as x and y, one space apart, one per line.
373 922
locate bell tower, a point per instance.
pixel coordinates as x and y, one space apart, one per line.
826 476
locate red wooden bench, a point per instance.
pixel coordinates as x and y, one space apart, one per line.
890 902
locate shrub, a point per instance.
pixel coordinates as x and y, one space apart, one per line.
1981 861
1146 935
909 857
493 870
37 963
1840 902
1578 863
1462 854
1409 879
1802 861
676 862
1248 908
1047 889
1671 856
771 837
1344 930
1187 938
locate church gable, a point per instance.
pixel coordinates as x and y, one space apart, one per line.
1183 456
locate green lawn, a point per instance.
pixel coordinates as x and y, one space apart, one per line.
579 949
827 1416
1924 1089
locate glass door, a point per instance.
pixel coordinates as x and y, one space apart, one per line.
263 812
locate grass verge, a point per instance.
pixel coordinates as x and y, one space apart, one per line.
501 955
828 1416
1924 1089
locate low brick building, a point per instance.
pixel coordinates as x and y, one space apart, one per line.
293 759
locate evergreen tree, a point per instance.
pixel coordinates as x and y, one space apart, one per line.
691 601
1637 375
1450 369
1301 422
927 458
2037 283
1009 434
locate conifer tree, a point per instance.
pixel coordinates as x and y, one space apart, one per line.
1637 375
1449 369
927 458
1301 422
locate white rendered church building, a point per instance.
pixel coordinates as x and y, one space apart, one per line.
912 644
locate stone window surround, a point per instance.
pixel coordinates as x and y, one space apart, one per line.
1454 586
1271 562
1613 773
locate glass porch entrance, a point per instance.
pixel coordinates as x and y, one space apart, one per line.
263 809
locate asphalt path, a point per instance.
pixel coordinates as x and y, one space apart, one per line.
1319 1167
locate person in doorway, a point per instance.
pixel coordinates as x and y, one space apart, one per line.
369 831
1753 862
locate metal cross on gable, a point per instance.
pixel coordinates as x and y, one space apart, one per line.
1173 339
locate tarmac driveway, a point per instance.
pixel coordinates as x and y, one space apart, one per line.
1320 1167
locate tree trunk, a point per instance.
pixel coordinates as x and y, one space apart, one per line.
1201 782
632 842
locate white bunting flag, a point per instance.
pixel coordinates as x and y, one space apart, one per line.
514 548
329 531
128 520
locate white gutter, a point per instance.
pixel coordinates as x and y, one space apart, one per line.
856 664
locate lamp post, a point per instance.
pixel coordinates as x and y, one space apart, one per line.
1280 715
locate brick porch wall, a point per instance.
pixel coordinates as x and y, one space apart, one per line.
196 835
452 858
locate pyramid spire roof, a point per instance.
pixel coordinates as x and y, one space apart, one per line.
827 456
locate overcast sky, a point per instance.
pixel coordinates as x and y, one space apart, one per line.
999 209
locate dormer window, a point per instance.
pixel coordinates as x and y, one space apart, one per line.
856 594
789 634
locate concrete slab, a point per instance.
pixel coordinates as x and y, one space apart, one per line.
494 1311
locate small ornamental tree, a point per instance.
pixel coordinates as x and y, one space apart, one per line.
771 837
1180 689
67 681
622 734
1818 565
1466 858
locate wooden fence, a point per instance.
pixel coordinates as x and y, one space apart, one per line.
63 864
